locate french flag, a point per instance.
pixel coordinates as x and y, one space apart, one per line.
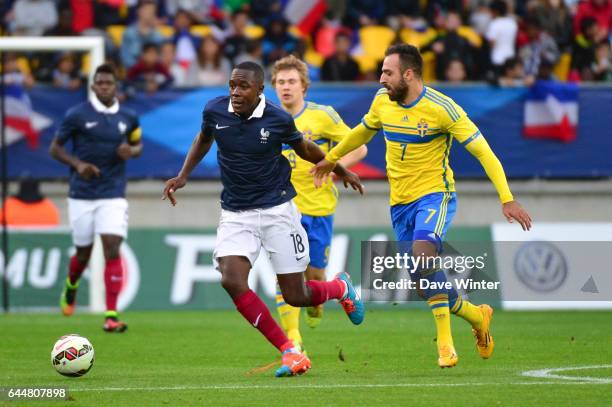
551 111
305 14
19 115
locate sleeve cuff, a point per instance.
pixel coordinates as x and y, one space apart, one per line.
505 198
331 158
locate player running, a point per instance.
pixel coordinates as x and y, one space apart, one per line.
419 124
104 135
322 125
257 207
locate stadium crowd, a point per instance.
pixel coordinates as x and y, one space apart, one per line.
189 43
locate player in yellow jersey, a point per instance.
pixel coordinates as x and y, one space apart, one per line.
322 125
419 125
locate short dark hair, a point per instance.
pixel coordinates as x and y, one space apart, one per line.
500 7
409 55
253 67
106 68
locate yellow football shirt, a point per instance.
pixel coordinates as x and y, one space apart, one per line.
418 138
322 125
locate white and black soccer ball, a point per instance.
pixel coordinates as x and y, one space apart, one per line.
72 355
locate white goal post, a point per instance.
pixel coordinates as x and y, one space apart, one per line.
95 47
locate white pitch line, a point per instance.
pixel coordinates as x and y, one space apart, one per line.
329 386
549 374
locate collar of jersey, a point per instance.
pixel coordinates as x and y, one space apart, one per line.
416 100
100 108
257 113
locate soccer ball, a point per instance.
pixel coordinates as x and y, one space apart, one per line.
72 355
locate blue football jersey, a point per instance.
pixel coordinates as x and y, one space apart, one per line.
254 172
95 136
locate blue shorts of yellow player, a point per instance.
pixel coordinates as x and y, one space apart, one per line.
427 218
319 231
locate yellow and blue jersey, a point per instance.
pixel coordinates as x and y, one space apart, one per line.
322 125
418 138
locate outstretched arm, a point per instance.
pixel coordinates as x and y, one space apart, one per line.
311 152
511 209
200 146
358 136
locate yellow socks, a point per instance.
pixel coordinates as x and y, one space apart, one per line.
289 318
441 313
468 311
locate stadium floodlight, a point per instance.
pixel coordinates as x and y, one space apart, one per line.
93 45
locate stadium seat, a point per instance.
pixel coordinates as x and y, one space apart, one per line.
24 65
86 63
429 66
562 69
366 63
166 31
200 30
417 38
375 40
254 32
115 32
471 35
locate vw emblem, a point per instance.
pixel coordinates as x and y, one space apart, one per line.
540 265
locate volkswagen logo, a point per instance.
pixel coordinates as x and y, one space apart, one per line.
540 265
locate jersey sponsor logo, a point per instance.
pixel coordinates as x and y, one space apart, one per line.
122 127
89 125
264 136
220 127
422 127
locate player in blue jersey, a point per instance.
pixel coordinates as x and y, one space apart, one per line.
257 207
104 135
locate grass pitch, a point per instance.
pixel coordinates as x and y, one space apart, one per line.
198 358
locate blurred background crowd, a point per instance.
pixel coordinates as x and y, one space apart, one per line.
157 44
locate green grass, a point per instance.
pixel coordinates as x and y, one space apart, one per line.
203 358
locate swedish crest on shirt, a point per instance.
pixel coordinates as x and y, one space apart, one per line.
264 135
422 127
122 127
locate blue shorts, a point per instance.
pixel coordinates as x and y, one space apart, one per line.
427 218
319 231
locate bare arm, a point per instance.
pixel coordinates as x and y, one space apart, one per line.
84 169
311 152
200 146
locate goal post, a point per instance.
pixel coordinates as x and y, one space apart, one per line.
95 47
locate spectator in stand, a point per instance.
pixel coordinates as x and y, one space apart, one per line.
277 41
47 61
33 17
437 9
341 66
513 74
29 207
167 57
480 17
450 46
143 31
186 43
14 74
199 10
210 67
540 51
601 11
108 12
149 74
254 53
455 71
585 64
556 20
235 38
501 34
261 10
602 68
66 74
